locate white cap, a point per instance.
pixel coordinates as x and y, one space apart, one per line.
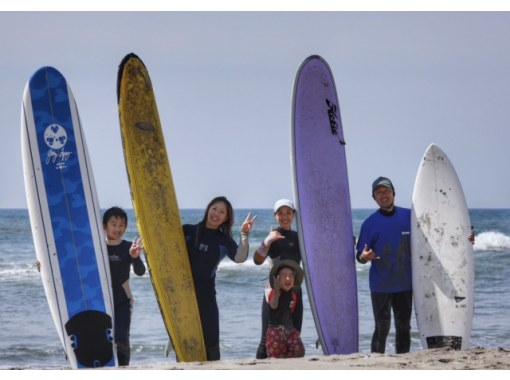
283 202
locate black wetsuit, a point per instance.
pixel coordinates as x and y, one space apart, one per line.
206 248
120 267
282 249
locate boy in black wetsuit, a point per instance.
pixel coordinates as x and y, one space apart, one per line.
122 254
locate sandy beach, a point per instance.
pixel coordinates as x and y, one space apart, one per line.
435 359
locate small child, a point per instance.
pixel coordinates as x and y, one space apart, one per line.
283 340
122 254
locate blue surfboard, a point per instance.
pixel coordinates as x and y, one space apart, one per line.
66 221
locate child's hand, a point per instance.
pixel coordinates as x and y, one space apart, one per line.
136 248
276 284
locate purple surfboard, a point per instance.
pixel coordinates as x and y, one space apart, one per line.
324 219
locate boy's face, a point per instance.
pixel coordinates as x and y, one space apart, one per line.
285 278
115 228
284 216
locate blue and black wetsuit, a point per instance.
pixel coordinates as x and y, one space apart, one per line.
388 235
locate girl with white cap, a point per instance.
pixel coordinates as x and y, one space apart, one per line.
280 244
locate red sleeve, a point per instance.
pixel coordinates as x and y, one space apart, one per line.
294 302
269 296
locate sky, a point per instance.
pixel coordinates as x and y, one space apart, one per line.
223 83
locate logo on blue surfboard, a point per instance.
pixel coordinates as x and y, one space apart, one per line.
55 137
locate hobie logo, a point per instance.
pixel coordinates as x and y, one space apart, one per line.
333 119
55 137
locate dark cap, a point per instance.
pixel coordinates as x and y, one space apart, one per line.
382 181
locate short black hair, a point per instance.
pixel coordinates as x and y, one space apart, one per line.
114 212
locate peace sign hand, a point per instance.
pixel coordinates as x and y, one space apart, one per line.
248 223
136 247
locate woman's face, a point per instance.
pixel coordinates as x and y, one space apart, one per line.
217 215
284 216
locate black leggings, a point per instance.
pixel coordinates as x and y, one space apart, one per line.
122 326
210 319
382 304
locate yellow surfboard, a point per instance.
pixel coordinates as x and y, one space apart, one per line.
156 209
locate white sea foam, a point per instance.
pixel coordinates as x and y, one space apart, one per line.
492 241
18 272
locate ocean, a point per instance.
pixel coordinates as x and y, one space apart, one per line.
28 338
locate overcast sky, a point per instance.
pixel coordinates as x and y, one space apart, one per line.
223 83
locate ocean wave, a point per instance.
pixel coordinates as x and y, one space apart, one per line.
226 264
492 241
18 272
21 356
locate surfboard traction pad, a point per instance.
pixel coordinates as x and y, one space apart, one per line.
92 341
454 342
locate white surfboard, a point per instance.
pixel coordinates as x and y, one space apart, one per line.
66 221
442 255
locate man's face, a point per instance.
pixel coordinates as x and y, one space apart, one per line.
384 197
